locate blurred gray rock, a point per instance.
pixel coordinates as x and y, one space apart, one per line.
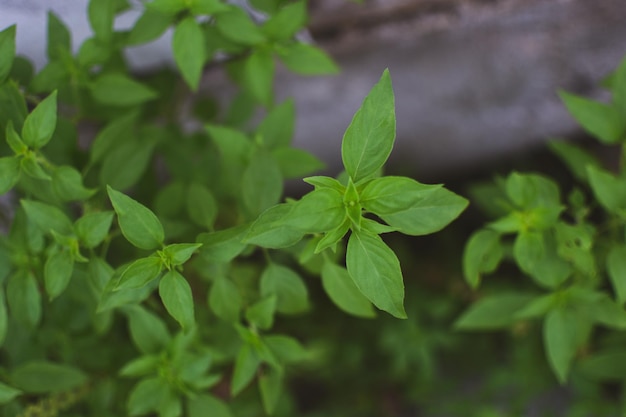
474 80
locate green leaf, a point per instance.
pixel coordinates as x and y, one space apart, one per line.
602 310
57 272
353 208
101 14
39 377
600 120
147 330
210 7
7 52
574 244
93 228
560 336
59 38
224 245
46 217
13 139
9 173
529 249
369 139
616 267
171 7
325 182
262 183
139 225
285 23
115 134
175 293
388 195
332 237
12 105
276 129
40 124
608 189
67 184
493 312
124 165
574 157
150 26
140 273
146 396
285 348
7 393
143 365
201 205
270 230
482 255
119 90
343 291
246 365
189 51
530 191
179 253
261 313
198 405
430 214
225 300
4 318
375 270
236 25
24 299
296 163
318 211
307 60
603 366
538 307
258 76
291 293
31 167
271 386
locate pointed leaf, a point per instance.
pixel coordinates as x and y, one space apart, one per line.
493 312
343 292
47 218
57 272
140 226
24 299
93 228
7 52
430 214
175 293
291 293
189 51
7 393
560 336
375 270
369 139
9 173
140 273
119 90
40 377
40 124
600 120
225 300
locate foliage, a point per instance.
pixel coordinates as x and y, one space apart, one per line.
572 251
148 269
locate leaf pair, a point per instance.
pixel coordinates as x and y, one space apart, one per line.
141 227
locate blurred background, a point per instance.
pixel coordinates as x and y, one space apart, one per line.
475 80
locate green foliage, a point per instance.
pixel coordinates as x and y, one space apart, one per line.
572 251
148 267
